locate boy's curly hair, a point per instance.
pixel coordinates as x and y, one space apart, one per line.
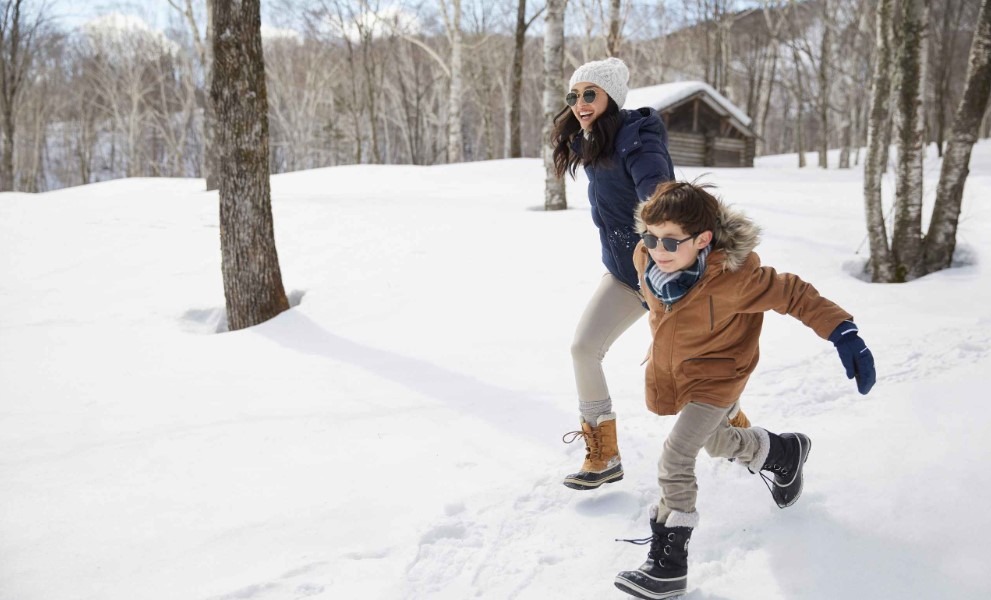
684 203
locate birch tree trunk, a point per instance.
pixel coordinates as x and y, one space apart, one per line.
799 91
774 21
846 132
252 278
824 85
516 83
906 242
881 267
455 140
941 238
800 130
554 193
853 84
614 39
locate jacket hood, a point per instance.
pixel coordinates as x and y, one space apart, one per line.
635 124
736 235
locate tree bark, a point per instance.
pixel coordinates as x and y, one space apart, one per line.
846 133
941 238
516 83
799 107
881 267
614 39
252 277
554 192
455 137
824 85
906 242
210 166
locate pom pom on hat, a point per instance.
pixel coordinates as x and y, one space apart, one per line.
610 74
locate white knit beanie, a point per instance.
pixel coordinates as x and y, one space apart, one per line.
610 74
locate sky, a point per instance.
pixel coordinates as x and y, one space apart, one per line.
74 13
397 432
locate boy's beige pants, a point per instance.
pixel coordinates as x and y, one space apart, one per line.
699 426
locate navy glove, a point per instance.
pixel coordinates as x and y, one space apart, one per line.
855 355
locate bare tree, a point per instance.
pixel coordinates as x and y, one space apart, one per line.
252 277
554 192
881 262
774 21
413 91
18 33
945 44
204 52
172 120
352 31
716 19
941 237
906 242
798 91
825 81
455 138
126 66
852 80
83 112
516 78
615 37
301 78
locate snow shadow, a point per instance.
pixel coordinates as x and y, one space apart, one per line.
621 504
699 595
204 320
964 256
817 557
464 393
214 320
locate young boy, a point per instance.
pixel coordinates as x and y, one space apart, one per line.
707 293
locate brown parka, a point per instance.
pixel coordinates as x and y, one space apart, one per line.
706 345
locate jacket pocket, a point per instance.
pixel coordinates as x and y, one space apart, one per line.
709 368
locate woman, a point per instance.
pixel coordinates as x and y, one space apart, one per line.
625 155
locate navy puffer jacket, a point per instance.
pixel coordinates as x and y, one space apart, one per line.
639 162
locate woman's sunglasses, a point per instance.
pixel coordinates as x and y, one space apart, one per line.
669 244
588 96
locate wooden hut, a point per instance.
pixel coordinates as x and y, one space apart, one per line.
704 128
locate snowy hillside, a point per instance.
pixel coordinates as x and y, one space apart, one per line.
397 433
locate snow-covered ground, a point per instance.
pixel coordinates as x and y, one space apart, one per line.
397 433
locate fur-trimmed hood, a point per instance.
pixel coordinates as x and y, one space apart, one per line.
736 235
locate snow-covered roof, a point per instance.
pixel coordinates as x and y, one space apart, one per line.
667 95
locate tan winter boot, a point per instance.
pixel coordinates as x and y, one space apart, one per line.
740 420
602 463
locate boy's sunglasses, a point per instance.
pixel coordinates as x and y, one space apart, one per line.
670 244
588 96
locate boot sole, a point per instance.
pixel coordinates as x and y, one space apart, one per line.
584 484
635 590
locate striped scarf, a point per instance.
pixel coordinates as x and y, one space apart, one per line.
671 287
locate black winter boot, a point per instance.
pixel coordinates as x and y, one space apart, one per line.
665 573
786 458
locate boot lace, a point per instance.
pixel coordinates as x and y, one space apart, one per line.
780 470
593 450
658 548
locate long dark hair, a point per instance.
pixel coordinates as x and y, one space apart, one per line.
596 151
